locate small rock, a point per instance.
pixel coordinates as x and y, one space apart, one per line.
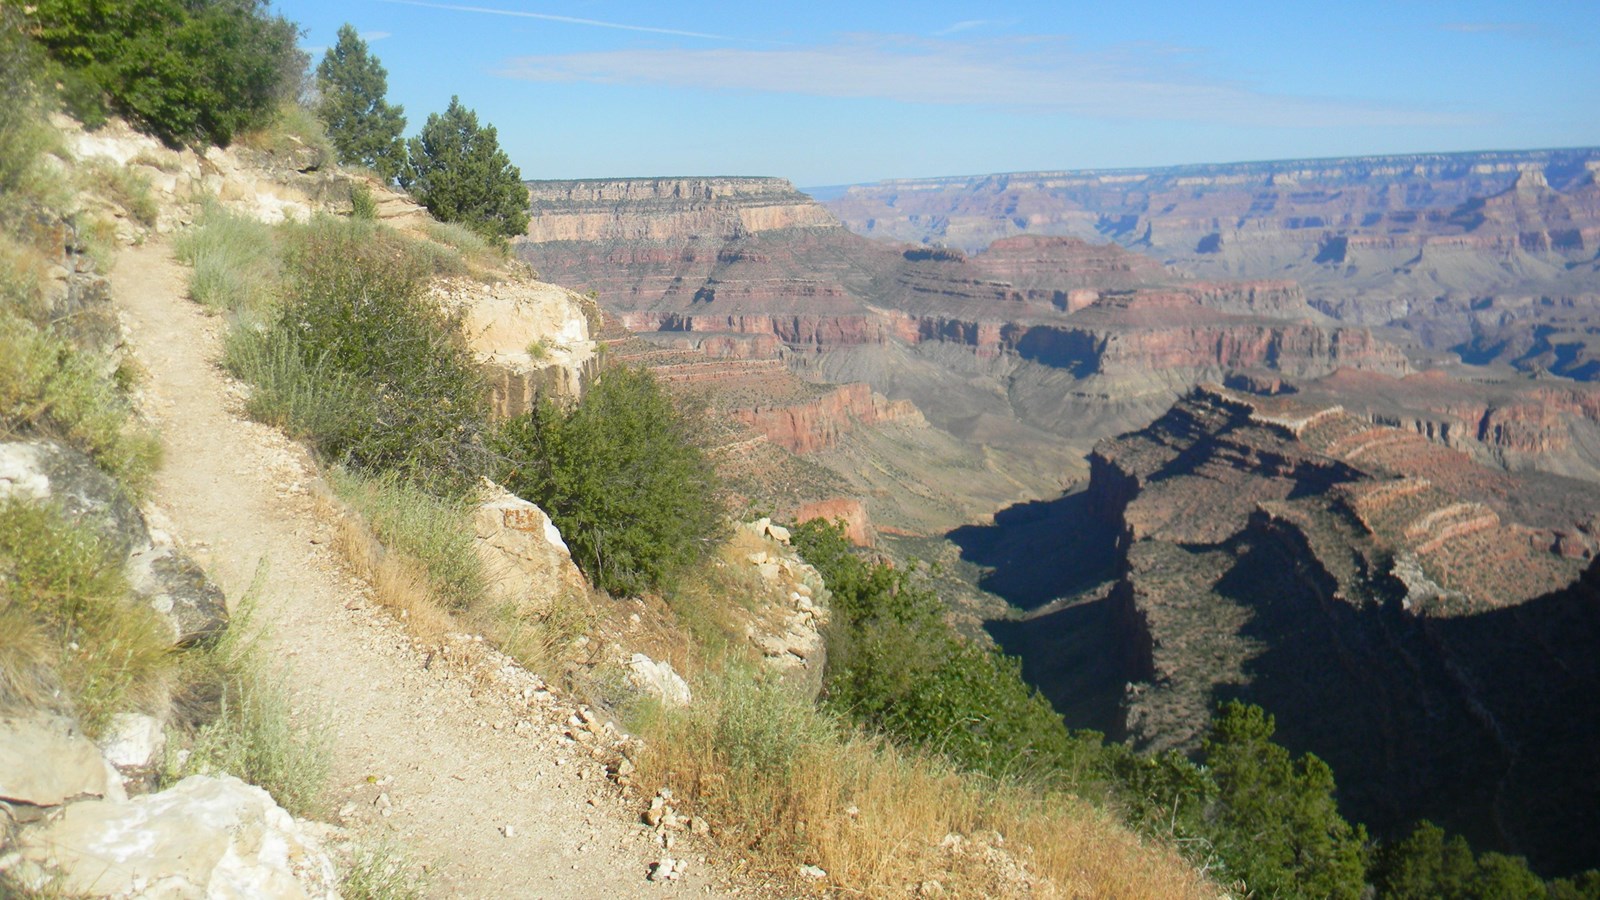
509 831
665 869
810 871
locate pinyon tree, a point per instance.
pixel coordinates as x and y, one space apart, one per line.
458 171
364 128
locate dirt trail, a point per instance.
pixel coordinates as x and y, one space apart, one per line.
419 758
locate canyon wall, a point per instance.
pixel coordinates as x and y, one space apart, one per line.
651 209
1423 623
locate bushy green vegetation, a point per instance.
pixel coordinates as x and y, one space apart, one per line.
364 128
234 260
70 623
458 171
187 71
894 665
364 364
622 477
1276 823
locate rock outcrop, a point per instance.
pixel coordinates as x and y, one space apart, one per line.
212 837
158 570
1422 622
526 565
535 339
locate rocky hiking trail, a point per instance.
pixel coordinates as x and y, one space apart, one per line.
469 773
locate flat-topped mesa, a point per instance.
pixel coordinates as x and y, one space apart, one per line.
667 209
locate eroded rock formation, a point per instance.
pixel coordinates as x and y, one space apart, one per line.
1424 623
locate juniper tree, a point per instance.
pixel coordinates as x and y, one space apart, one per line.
364 128
458 171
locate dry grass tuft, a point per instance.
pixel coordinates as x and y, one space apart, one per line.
784 786
398 582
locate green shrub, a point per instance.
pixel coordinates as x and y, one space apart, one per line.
1276 824
393 386
75 622
895 666
362 204
458 171
621 476
187 71
234 259
291 389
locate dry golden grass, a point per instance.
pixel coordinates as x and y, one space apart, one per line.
398 582
783 786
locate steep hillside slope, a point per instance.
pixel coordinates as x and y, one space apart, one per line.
1424 623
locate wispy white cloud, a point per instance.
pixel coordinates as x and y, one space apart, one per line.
1042 73
567 20
370 36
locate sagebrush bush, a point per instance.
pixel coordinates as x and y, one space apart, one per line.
235 262
622 477
415 401
77 626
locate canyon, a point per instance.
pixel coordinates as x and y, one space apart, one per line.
1422 622
1320 435
997 370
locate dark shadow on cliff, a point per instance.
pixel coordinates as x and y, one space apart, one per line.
1487 724
1039 551
1035 553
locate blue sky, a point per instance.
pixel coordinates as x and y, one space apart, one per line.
831 92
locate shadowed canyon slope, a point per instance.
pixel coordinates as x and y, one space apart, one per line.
1424 623
1018 357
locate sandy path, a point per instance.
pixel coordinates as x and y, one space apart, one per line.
418 757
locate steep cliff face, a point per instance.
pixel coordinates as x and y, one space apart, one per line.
667 209
1394 604
813 425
